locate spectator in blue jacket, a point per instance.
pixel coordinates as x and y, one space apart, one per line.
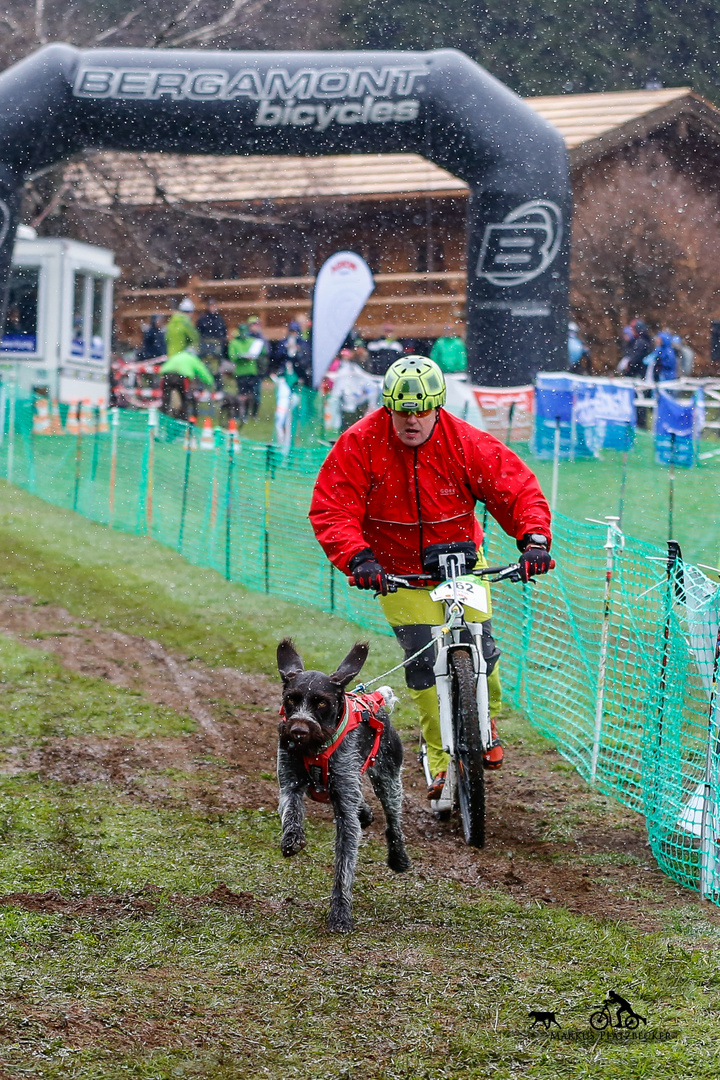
665 358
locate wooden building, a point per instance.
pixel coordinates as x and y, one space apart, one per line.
252 231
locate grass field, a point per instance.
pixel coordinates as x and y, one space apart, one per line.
152 930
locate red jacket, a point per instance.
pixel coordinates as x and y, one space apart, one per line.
374 492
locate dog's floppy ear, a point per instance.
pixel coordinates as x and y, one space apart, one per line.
351 665
289 660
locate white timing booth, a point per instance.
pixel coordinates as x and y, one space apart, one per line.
59 318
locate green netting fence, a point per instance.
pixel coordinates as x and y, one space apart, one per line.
610 657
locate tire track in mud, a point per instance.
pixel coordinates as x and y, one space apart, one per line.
593 863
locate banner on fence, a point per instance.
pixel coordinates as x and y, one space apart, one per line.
593 415
507 411
678 424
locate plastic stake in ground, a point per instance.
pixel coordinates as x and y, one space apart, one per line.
610 543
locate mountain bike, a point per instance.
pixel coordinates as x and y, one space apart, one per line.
461 681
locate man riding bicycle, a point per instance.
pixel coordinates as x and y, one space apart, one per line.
408 476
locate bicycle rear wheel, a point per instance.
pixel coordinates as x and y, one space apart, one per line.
468 748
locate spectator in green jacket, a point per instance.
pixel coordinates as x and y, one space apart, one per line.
178 373
248 350
449 353
180 331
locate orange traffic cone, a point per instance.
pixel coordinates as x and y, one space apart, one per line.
56 427
233 435
87 427
41 417
190 442
207 439
103 426
72 427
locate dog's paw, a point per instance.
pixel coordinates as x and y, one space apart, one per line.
399 861
340 920
292 843
365 816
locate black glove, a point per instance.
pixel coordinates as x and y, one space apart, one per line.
535 560
368 573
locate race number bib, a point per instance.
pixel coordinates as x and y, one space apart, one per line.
469 590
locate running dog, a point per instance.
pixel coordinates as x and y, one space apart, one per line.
328 739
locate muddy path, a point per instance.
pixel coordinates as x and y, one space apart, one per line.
550 839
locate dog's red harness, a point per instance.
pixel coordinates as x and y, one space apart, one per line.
359 709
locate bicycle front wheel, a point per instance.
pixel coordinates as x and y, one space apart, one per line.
599 1020
468 748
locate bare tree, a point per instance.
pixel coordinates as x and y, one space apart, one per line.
645 239
167 24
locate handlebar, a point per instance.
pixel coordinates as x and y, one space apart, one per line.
511 572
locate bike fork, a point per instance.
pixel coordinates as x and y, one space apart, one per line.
442 683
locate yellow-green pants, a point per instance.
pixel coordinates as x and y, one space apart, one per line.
412 613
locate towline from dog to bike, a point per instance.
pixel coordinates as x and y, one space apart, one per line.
461 672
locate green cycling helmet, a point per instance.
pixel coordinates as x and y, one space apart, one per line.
413 384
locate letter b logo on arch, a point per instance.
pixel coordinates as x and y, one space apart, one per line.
523 245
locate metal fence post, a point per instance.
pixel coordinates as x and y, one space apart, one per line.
613 534
96 444
228 501
3 409
11 433
211 518
707 853
115 424
78 464
269 474
152 426
556 465
189 446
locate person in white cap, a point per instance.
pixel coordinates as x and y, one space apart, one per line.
180 332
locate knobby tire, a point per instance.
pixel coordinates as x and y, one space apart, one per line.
468 748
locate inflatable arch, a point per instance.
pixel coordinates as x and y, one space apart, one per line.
61 100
